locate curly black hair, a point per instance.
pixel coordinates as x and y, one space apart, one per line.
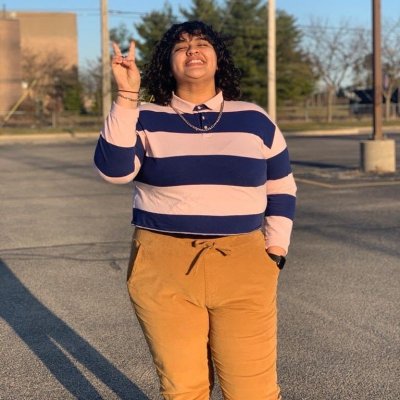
157 76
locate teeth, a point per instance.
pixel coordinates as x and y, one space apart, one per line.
195 62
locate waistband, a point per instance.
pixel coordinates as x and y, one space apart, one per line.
231 240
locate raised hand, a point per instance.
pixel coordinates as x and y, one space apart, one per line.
125 71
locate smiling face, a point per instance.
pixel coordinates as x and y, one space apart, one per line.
193 59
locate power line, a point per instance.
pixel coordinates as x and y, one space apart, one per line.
79 11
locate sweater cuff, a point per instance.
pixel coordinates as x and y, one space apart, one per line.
128 115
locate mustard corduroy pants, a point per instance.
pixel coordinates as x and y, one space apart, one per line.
204 302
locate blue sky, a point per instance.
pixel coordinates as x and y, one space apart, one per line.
357 11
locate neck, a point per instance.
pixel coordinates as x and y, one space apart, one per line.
196 94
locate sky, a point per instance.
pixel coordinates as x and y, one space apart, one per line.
358 12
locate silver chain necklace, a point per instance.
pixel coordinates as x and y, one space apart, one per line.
195 127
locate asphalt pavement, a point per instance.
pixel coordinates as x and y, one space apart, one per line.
67 330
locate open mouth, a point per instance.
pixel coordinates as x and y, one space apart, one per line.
195 62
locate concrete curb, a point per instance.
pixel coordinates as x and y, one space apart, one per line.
343 131
27 137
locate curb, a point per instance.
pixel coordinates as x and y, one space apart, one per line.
343 131
10 138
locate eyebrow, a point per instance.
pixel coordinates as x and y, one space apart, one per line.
192 37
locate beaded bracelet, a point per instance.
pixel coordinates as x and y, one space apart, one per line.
127 98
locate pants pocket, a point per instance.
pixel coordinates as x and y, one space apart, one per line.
271 263
135 260
267 260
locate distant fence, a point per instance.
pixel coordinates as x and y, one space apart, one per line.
346 112
62 121
75 121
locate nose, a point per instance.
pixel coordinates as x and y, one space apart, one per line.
192 50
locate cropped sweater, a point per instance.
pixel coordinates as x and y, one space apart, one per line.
233 179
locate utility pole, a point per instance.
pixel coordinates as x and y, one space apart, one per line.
105 59
377 69
379 154
271 60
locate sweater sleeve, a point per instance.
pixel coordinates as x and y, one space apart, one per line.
120 150
281 194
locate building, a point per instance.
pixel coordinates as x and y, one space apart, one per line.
10 65
36 35
49 33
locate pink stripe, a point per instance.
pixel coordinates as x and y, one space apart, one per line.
243 106
166 144
285 185
200 199
277 232
119 126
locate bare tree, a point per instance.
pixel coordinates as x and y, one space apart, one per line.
390 61
46 70
56 85
90 79
334 52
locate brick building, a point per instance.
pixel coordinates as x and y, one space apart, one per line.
37 34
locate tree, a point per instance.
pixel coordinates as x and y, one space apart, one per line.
56 85
247 33
295 77
71 90
45 70
390 62
207 11
91 82
151 29
246 25
333 53
122 36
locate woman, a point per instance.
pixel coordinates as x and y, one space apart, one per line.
208 170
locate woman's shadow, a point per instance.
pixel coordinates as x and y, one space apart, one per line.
46 334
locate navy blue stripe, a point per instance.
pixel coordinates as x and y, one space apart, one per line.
252 122
202 224
139 149
114 161
279 165
281 205
203 170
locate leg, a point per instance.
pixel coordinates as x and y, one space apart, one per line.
243 324
168 305
243 344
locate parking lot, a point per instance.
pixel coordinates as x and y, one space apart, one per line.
67 329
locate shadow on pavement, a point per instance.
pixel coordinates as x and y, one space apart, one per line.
319 164
49 338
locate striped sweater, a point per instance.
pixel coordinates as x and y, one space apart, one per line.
223 182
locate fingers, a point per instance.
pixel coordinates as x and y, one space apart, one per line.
117 50
118 58
131 52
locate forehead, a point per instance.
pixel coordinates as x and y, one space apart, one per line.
188 37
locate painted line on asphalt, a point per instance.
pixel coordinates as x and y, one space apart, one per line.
347 185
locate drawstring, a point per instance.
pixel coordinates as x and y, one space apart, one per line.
205 246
